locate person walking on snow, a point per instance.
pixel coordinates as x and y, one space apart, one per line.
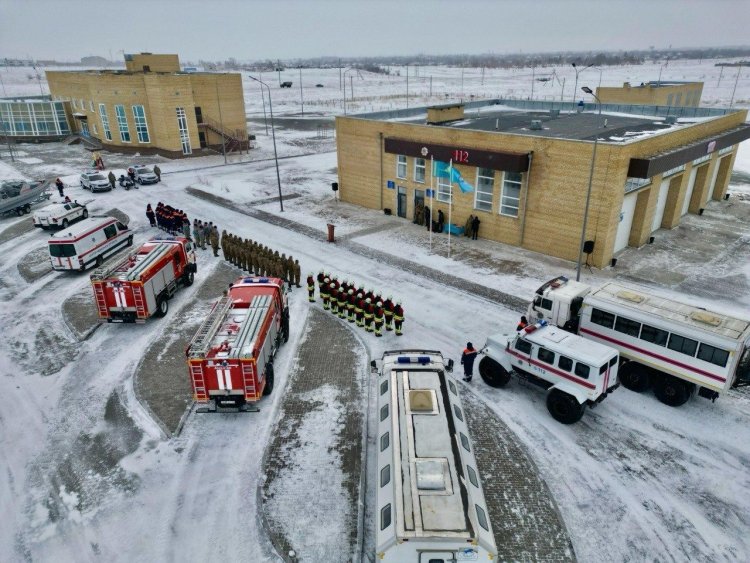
398 317
157 171
475 227
60 186
112 179
467 360
311 288
151 216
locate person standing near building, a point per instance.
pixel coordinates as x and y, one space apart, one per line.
59 184
468 226
215 240
441 220
311 288
112 179
151 216
398 317
467 360
427 218
475 227
157 171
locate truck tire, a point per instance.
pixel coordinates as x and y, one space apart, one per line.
672 391
27 208
65 224
162 306
188 278
635 377
268 389
85 214
285 325
493 374
99 261
563 407
19 211
130 241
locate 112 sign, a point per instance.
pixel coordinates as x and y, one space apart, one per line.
461 156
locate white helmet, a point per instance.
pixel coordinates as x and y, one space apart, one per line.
367 300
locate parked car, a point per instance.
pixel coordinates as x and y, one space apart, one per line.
286 85
319 86
95 181
60 214
144 174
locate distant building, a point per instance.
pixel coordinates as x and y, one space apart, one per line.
94 61
659 93
529 163
154 107
34 118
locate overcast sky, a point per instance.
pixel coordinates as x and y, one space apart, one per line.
260 29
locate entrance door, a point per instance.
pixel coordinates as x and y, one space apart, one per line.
661 203
689 192
626 221
402 202
418 204
202 139
85 129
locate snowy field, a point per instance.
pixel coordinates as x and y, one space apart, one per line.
88 475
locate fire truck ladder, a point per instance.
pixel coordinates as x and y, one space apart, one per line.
201 342
252 324
251 390
140 308
101 302
199 384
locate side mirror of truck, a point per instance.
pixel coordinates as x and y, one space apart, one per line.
449 365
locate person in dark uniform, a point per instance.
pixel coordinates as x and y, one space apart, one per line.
311 288
522 324
388 311
475 227
441 220
398 317
467 360
324 293
427 218
359 309
351 300
334 293
369 314
378 319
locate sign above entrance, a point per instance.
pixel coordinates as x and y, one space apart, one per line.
509 162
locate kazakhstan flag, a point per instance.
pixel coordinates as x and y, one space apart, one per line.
443 170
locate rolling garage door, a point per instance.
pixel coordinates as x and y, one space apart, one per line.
689 193
661 203
626 221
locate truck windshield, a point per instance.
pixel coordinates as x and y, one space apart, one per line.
742 378
62 250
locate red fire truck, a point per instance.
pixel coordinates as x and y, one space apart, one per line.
141 285
230 359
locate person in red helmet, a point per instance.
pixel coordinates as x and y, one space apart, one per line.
379 319
398 317
311 288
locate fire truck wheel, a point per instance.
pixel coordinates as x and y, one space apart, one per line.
269 379
19 211
635 377
99 261
188 278
27 208
671 391
130 241
564 408
162 306
65 224
493 373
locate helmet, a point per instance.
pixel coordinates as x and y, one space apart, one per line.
398 302
333 285
359 294
351 292
367 300
326 280
379 304
390 298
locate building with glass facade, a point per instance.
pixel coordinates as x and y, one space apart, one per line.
34 118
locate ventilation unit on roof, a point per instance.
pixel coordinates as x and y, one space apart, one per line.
706 318
554 113
536 125
670 119
420 400
631 296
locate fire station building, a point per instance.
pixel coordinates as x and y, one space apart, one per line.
533 163
154 107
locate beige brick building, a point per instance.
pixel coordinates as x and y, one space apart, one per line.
530 169
660 93
153 107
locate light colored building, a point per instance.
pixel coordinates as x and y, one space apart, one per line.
530 164
153 107
659 93
34 118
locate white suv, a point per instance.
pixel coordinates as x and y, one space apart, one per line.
60 214
144 174
95 181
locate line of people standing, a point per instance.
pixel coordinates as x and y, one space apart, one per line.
176 222
260 260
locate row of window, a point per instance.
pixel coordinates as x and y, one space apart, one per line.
33 119
561 362
139 118
510 194
659 337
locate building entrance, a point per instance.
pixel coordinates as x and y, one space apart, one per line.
402 202
419 205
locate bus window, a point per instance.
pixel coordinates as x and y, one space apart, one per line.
743 370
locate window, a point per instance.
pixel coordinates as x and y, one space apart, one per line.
83 105
523 346
122 124
401 167
385 516
545 303
121 227
582 370
565 364
419 170
511 196
184 135
385 475
599 317
485 187
385 441
603 369
105 122
464 441
384 413
613 361
714 355
482 517
94 127
110 231
681 344
632 184
444 191
141 127
654 335
62 250
626 326
384 387
457 411
452 387
546 356
472 476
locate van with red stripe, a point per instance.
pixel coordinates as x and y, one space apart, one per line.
88 243
575 372
674 347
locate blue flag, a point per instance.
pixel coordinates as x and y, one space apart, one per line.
443 170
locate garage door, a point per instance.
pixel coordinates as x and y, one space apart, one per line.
661 203
689 194
626 221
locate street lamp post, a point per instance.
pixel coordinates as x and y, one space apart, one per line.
344 77
273 133
578 71
588 193
221 123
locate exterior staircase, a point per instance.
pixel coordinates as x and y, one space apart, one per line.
88 142
234 139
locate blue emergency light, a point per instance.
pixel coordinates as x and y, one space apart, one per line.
413 360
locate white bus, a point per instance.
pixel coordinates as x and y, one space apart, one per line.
430 503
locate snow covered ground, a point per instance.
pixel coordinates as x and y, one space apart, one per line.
87 475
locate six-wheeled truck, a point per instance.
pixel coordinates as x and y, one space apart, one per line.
575 372
230 359
671 346
141 285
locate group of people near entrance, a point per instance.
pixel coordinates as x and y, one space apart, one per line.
422 216
260 260
348 300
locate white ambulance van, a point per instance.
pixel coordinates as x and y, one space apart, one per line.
88 243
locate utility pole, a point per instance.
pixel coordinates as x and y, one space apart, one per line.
407 86
430 86
301 100
533 75
263 98
739 69
351 87
221 123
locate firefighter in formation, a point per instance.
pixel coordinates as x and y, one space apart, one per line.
260 260
358 305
